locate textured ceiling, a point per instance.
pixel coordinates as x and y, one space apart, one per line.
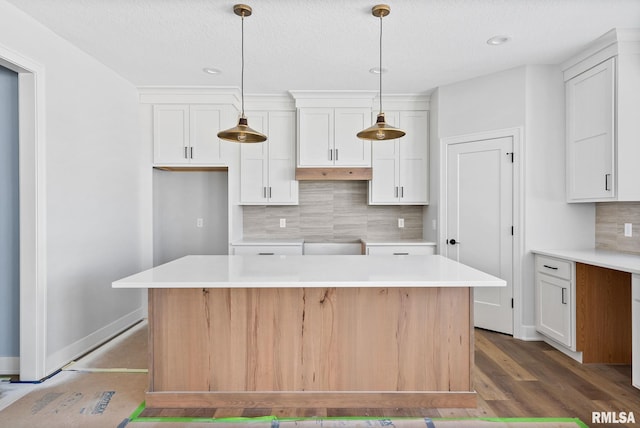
326 44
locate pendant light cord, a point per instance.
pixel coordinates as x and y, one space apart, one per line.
242 67
380 70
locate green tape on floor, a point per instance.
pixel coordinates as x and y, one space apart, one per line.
135 417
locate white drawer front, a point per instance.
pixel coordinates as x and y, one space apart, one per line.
267 250
403 250
554 267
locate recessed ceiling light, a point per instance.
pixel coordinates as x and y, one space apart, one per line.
377 70
498 40
210 70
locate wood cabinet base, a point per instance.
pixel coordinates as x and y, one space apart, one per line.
329 399
310 347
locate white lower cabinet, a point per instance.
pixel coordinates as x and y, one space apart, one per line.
267 248
555 304
635 330
400 249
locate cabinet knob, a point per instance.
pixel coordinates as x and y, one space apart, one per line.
452 241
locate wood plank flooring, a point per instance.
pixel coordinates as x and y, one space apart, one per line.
513 378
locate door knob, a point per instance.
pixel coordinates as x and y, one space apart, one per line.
452 242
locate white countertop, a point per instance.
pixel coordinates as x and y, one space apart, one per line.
310 271
591 256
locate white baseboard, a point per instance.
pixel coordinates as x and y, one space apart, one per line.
9 365
529 333
66 355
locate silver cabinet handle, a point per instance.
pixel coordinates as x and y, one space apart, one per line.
395 192
606 182
550 267
191 152
269 191
564 298
336 154
402 191
265 254
185 152
400 254
330 154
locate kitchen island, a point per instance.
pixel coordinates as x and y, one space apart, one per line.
310 331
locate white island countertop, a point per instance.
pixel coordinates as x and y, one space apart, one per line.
310 271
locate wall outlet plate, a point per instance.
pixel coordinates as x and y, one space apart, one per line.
400 222
283 222
628 229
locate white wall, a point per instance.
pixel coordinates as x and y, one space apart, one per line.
531 98
93 158
180 198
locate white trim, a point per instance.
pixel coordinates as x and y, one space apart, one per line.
69 353
517 135
9 365
528 332
33 232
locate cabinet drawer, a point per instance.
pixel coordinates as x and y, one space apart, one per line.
554 267
402 250
267 250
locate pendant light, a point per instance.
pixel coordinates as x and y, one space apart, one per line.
242 133
380 130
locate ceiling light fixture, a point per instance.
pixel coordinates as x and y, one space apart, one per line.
498 40
380 130
242 133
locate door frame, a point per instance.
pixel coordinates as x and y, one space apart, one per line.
33 227
518 207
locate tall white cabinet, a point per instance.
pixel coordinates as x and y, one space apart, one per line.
602 110
400 167
267 170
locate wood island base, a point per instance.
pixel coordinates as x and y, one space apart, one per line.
338 347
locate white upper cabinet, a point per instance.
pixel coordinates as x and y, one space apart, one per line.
602 130
187 134
267 170
400 167
327 137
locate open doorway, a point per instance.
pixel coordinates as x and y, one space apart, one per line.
32 208
9 225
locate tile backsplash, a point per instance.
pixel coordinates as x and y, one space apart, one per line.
610 220
333 211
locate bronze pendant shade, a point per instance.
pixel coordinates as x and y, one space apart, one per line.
380 130
242 133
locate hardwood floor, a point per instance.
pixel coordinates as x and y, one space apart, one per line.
513 379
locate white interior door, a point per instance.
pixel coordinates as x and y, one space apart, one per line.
479 222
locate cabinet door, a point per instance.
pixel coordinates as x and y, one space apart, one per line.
553 308
383 186
315 137
590 99
413 158
204 124
349 150
253 164
282 184
170 134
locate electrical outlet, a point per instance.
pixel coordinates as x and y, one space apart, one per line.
283 222
199 222
628 230
400 222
